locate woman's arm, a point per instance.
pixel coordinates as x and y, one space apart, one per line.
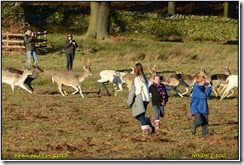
67 44
75 44
28 39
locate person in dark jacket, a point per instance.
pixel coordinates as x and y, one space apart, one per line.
159 99
199 105
70 46
29 41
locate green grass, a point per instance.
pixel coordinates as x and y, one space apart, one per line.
101 127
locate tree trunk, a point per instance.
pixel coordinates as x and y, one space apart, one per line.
171 7
92 28
99 21
230 10
103 21
226 4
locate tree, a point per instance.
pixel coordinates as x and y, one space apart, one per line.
230 10
171 7
99 20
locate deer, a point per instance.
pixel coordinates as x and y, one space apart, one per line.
16 79
68 78
114 77
35 71
219 80
187 80
232 81
128 78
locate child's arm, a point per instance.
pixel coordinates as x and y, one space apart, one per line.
201 94
166 94
150 91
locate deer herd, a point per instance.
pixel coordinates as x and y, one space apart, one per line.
172 80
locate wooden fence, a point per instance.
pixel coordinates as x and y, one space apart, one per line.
16 41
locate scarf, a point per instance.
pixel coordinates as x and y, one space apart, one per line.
161 90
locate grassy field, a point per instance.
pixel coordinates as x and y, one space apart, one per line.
102 127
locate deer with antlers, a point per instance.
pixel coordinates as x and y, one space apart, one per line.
68 78
188 80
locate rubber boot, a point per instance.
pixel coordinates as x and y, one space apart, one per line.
145 130
150 124
157 122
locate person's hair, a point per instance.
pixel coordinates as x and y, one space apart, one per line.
138 71
69 35
199 78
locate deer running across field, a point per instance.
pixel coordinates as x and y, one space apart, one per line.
128 78
35 71
15 79
68 78
232 81
187 80
114 77
219 80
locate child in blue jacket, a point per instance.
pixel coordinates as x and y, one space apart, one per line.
199 105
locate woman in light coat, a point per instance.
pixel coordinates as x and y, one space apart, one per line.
139 98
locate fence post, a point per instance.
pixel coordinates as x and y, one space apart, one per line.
45 37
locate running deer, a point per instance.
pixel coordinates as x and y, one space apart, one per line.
187 80
35 71
219 80
15 79
114 77
68 78
232 81
128 78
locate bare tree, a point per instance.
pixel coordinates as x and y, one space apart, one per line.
99 20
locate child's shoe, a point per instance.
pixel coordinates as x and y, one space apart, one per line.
150 124
157 122
145 130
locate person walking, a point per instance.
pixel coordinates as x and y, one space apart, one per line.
199 105
139 98
159 99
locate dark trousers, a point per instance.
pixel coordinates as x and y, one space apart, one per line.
201 120
70 58
142 118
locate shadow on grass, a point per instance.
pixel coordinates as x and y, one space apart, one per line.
218 98
53 93
232 123
214 124
231 42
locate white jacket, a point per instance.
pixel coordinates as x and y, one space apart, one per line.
142 88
